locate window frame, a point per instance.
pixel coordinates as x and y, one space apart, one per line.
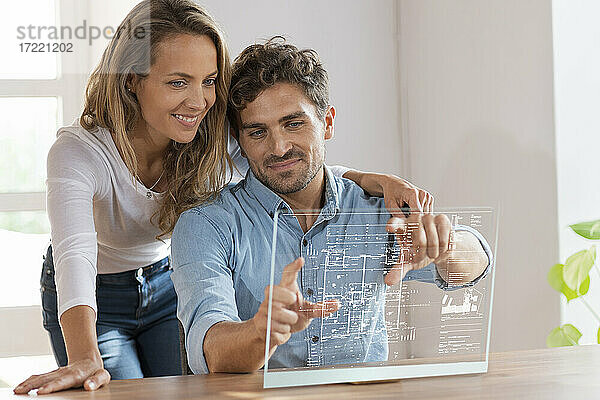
67 88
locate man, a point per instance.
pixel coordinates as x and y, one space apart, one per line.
221 251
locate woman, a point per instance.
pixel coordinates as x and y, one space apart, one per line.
150 143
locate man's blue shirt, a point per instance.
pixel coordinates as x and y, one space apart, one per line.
221 257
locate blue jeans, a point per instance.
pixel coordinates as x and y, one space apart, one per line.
137 327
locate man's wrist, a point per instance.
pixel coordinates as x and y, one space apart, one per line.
259 335
256 333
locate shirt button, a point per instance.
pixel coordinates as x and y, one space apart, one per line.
49 271
305 242
309 292
315 339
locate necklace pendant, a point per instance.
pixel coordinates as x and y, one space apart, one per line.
149 194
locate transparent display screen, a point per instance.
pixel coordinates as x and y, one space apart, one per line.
378 298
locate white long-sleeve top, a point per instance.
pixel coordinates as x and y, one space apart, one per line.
99 216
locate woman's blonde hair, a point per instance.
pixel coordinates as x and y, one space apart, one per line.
195 171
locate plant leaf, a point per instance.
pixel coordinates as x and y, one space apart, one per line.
566 335
589 230
556 280
585 286
577 267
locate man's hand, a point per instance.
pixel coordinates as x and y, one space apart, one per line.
290 312
423 239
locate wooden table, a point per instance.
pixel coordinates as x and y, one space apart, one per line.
560 373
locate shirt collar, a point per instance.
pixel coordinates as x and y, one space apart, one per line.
332 195
273 202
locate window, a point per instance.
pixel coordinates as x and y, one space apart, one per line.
30 124
39 92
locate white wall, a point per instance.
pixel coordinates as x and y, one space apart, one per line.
477 112
16 341
577 98
356 41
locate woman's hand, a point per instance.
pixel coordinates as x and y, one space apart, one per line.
88 372
395 191
85 363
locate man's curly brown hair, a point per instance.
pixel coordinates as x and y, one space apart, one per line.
261 66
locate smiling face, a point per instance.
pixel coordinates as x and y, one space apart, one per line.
179 89
283 138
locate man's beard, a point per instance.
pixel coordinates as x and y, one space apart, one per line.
289 181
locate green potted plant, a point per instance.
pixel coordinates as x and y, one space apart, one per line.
572 279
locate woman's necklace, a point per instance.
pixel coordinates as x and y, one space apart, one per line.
149 192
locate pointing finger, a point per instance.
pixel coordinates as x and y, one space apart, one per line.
289 276
281 295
